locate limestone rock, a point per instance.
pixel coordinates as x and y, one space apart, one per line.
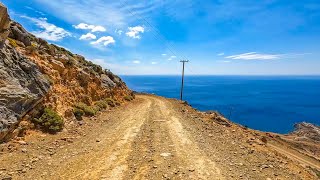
4 24
21 87
57 65
19 33
106 81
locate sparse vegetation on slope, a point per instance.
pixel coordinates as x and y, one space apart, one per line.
88 110
128 98
49 121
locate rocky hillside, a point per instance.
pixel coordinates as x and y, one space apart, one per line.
307 131
40 80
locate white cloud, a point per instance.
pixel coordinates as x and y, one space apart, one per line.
136 62
255 56
93 28
47 30
134 32
258 56
220 54
164 54
105 40
83 26
172 57
118 31
88 36
99 29
153 63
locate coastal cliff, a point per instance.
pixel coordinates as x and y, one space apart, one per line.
36 75
307 131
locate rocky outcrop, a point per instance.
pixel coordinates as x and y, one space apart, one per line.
22 85
307 130
4 24
17 32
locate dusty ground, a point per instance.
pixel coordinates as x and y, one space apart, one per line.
154 138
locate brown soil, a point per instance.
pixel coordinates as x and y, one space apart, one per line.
153 138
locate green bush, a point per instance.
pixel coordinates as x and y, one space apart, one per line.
88 110
128 98
78 113
110 102
13 42
50 121
91 111
102 104
81 105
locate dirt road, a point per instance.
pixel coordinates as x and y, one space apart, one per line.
152 138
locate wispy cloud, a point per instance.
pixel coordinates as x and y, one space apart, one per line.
105 40
225 61
36 11
154 63
164 54
220 54
115 13
93 28
47 30
172 57
118 31
134 32
88 36
136 62
260 56
255 56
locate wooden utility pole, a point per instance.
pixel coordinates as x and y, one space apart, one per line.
182 80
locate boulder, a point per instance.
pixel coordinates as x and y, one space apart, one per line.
19 33
106 81
57 65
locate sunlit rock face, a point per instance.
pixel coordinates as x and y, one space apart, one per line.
22 85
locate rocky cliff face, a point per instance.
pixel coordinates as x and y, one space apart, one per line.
307 130
4 24
21 83
21 87
35 74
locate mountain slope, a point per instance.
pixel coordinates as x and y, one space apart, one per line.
37 75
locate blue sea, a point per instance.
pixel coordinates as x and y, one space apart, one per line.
266 103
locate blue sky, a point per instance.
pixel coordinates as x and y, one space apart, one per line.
219 37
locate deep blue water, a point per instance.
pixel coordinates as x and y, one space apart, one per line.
266 103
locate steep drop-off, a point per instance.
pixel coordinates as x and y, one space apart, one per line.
35 74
